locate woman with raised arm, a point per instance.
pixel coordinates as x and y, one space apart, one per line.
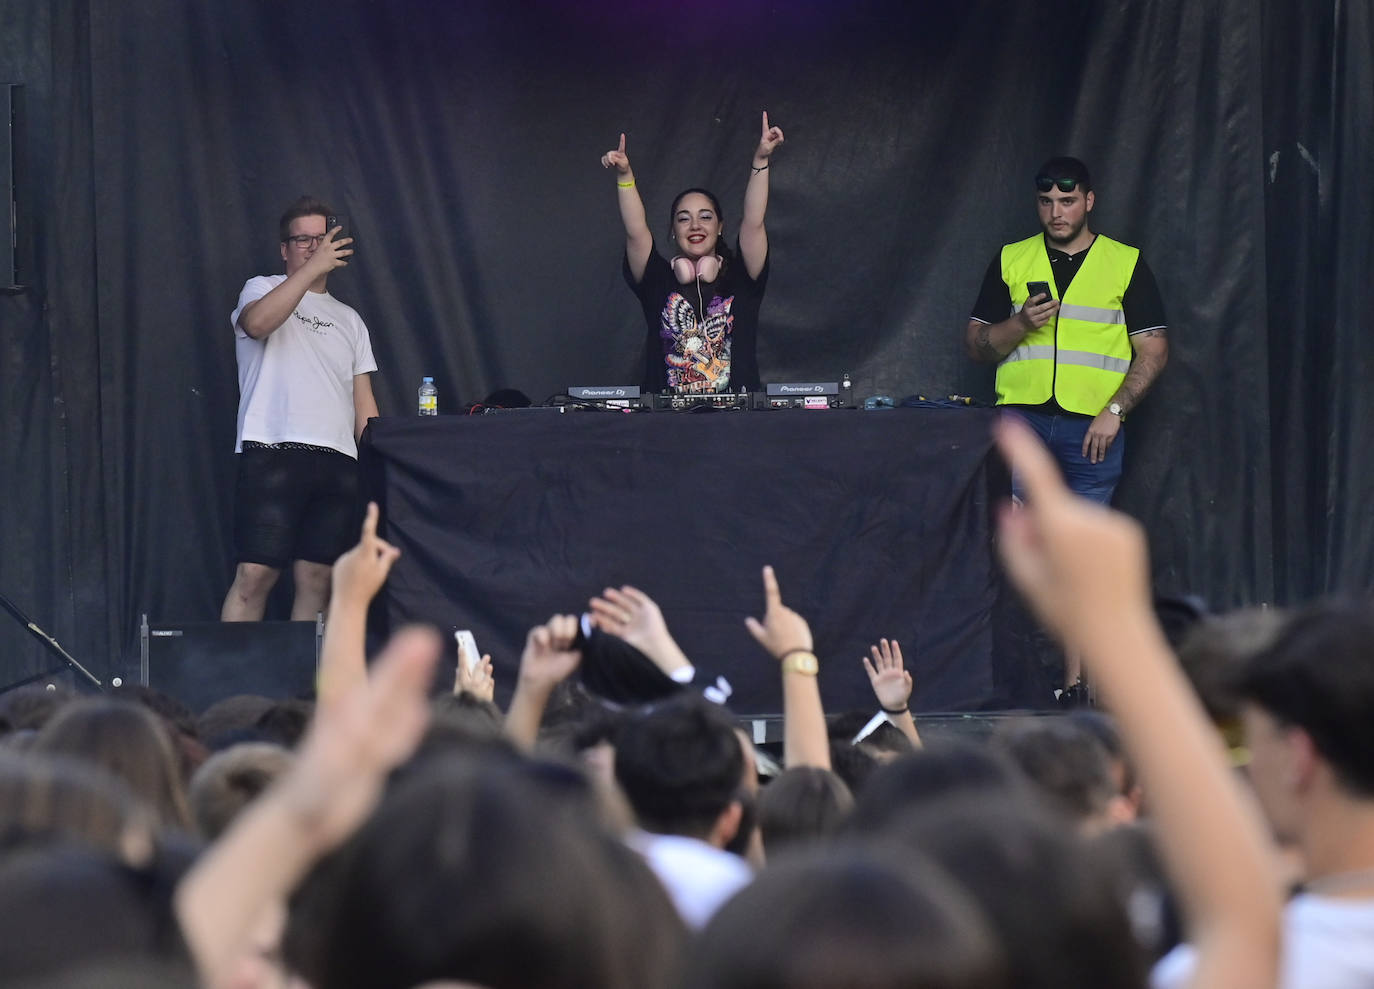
701 304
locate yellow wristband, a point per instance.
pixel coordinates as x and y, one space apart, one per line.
800 661
627 185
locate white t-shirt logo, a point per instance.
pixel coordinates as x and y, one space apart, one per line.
313 323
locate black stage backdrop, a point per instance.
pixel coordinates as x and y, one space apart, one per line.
162 138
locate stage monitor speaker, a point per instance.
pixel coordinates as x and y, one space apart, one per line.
203 662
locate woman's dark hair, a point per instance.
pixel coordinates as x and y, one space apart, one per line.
1051 901
722 248
863 918
74 909
801 806
51 799
942 770
129 742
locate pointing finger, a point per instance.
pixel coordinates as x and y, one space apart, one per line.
771 595
370 522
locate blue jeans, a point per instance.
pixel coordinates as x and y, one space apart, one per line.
1063 435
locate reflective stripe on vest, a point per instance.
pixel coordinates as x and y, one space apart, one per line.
1079 357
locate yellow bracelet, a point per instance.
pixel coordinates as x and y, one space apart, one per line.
627 185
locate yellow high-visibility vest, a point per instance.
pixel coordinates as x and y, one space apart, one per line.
1081 355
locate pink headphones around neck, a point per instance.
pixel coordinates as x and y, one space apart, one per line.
687 271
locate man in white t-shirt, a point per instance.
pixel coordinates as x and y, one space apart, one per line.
1308 712
304 397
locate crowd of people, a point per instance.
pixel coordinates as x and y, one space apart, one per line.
614 827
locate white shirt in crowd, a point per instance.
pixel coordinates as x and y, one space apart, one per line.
1328 943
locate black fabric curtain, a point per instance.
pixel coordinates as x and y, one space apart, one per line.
1231 142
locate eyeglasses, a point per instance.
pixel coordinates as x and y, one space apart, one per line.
306 240
1044 183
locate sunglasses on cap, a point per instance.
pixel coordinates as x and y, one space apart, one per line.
1044 183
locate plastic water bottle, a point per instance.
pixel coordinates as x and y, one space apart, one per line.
429 397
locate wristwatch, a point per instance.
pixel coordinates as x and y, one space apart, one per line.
1115 409
801 661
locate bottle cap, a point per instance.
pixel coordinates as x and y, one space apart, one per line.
427 380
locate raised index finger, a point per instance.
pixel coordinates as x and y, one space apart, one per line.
622 143
765 122
370 522
771 595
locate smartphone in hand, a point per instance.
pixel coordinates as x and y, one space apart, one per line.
467 649
341 220
1038 288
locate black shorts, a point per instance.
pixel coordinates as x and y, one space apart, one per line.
293 504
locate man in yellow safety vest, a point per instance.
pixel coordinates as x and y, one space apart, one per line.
1075 324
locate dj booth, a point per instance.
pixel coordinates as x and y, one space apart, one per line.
878 524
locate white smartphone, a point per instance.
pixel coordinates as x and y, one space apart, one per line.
467 649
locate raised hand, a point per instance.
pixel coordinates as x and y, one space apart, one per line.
474 676
360 573
617 158
782 630
888 676
331 253
353 743
373 725
632 615
769 140
549 658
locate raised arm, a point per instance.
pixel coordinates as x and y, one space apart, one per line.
1084 569
891 683
638 240
753 237
262 316
787 637
333 786
357 577
630 614
547 661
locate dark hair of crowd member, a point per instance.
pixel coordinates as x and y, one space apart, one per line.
492 872
129 742
58 800
680 765
230 780
1051 903
1066 763
1319 676
937 772
862 918
70 910
803 805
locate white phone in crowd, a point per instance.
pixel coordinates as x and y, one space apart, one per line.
467 649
